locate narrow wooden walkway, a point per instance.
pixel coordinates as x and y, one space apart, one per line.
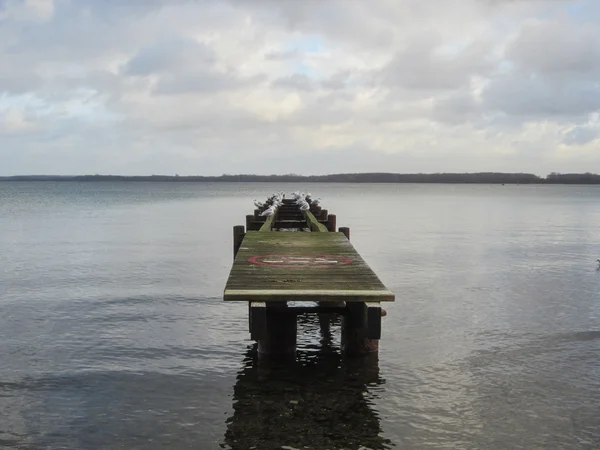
302 267
288 255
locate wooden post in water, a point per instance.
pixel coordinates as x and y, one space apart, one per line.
249 222
361 325
331 222
324 213
274 327
238 237
360 332
346 232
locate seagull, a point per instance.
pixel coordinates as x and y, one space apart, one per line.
316 201
304 206
258 204
268 212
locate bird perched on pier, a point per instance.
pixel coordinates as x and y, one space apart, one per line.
268 212
258 204
315 202
275 200
304 206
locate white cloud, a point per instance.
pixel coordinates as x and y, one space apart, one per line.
14 121
271 86
27 10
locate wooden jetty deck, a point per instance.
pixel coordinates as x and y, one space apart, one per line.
302 267
295 255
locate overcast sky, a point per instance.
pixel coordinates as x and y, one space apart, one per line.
299 86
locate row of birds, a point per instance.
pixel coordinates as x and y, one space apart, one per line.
276 200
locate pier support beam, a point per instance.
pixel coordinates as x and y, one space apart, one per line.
250 222
346 231
274 327
361 329
331 222
238 237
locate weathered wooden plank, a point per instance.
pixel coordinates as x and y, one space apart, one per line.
302 267
281 224
270 295
268 225
313 223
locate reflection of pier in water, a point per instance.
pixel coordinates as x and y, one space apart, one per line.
319 400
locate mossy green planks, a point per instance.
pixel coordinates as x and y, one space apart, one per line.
299 266
313 223
268 225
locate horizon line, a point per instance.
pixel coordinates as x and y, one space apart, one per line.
176 175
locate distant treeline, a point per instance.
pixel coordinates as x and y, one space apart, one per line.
481 177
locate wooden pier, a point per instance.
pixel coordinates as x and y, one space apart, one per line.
293 261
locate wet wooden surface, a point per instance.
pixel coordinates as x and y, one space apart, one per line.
302 266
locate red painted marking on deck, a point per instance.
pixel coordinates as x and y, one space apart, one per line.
300 261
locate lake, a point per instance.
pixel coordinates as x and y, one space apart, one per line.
113 332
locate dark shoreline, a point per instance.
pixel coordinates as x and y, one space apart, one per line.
445 178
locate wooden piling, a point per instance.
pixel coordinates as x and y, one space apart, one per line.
238 237
276 330
250 222
346 232
331 222
357 337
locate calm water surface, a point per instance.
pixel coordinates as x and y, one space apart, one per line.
113 333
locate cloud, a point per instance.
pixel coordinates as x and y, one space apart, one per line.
14 121
27 10
174 53
423 64
266 86
295 82
581 135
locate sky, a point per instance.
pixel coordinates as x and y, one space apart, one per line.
208 87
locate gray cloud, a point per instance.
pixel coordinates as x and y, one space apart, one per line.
555 47
419 67
581 135
296 82
542 97
212 87
170 54
281 55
